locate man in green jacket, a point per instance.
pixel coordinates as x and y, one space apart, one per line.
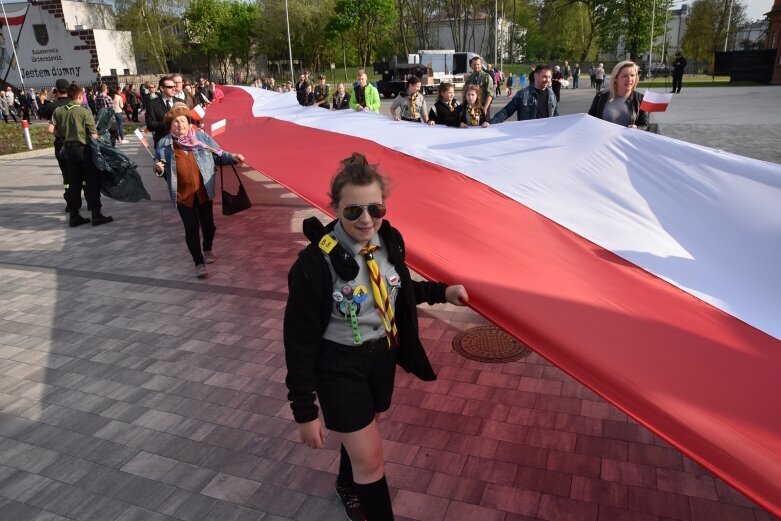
482 79
367 97
76 125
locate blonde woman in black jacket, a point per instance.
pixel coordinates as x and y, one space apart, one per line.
350 318
621 104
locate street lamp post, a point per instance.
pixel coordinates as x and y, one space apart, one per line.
651 43
289 45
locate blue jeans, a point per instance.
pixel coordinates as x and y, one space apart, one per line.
119 117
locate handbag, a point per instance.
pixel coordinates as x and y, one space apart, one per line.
232 204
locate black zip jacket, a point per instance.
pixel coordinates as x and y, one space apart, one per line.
308 311
639 117
442 115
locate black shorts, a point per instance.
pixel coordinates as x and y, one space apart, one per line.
354 383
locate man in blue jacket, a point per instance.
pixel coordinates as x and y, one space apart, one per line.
533 102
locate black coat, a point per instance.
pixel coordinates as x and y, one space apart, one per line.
155 112
345 104
308 312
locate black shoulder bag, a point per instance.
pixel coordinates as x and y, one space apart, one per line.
233 203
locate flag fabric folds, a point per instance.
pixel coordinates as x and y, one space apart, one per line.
643 266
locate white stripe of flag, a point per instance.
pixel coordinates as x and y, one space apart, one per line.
141 138
198 113
219 127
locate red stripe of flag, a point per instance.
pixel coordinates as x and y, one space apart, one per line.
647 106
660 355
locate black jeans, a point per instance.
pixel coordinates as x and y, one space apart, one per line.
199 217
81 171
677 83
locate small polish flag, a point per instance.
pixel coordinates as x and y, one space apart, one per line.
141 138
655 101
14 16
198 113
219 127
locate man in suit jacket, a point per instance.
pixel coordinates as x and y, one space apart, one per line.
157 108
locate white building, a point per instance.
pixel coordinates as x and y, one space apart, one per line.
55 39
751 35
478 37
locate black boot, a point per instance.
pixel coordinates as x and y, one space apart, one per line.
76 219
345 489
98 218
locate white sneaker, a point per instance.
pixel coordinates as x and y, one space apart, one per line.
200 271
208 257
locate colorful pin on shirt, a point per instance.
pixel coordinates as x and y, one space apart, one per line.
337 295
360 293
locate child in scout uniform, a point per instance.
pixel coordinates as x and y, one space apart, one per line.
350 318
413 105
446 110
472 112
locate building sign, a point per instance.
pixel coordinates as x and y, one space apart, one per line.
48 49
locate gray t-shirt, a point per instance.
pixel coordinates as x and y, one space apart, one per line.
410 110
618 112
370 325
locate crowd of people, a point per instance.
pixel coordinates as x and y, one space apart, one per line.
185 154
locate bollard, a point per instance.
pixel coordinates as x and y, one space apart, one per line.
26 130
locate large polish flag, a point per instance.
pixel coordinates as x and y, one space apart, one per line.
645 267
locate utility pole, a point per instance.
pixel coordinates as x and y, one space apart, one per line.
496 30
651 44
289 45
729 20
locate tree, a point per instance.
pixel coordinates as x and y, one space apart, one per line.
154 25
364 22
706 28
629 21
225 31
580 31
311 44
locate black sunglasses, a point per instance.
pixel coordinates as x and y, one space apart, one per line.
353 212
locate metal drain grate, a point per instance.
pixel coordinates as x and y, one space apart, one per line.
489 344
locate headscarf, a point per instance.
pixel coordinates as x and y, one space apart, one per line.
190 142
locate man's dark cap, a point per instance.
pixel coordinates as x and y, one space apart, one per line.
62 85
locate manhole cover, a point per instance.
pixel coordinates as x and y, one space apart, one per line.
489 344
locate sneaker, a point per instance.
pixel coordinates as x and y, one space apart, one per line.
208 257
200 271
98 218
349 499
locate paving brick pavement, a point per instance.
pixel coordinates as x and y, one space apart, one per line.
131 391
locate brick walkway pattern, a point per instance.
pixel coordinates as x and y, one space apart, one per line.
131 391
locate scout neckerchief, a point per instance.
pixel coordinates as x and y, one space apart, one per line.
474 115
381 296
413 100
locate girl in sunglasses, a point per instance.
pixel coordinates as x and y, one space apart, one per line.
350 318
